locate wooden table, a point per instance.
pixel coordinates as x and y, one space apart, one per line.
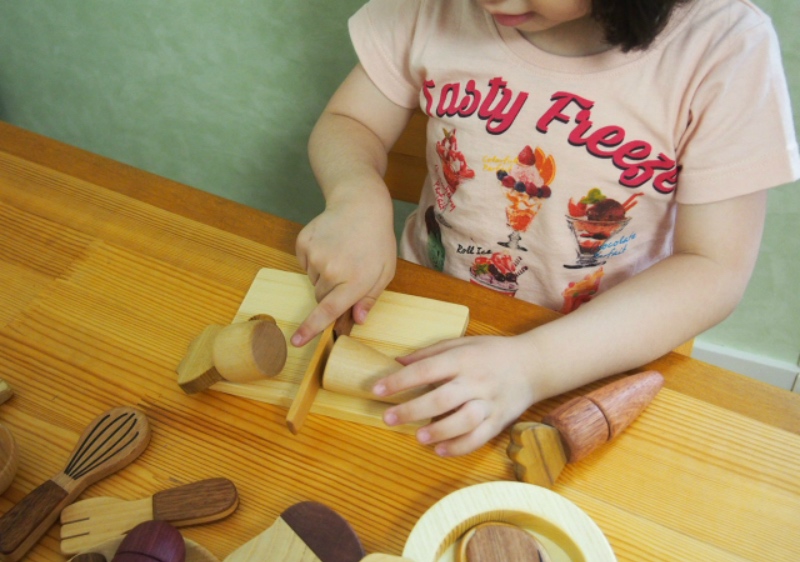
108 272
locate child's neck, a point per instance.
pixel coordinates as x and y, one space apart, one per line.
577 38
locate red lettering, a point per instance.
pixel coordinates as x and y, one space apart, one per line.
562 100
609 142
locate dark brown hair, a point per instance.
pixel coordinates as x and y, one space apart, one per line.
633 24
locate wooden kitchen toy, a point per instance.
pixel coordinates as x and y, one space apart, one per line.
242 352
111 442
558 528
152 541
397 325
93 521
499 542
305 532
9 458
576 428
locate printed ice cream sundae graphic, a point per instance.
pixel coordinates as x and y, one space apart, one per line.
497 272
594 220
454 169
527 185
581 292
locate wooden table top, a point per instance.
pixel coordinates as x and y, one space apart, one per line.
108 272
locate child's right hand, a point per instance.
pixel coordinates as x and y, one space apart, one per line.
349 253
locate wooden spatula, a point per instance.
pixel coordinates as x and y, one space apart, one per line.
305 532
87 523
576 428
110 442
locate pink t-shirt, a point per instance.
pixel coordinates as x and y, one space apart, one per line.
554 178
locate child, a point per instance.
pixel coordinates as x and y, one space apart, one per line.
604 158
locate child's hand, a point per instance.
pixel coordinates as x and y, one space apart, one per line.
482 385
349 253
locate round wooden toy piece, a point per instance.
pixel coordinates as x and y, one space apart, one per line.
500 542
152 541
249 351
565 532
9 458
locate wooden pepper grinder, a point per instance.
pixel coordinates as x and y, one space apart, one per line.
576 428
241 352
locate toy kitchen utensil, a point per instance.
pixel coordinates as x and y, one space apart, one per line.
112 441
564 531
576 428
305 532
397 324
152 541
90 522
241 352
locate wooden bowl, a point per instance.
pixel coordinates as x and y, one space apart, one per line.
9 458
563 529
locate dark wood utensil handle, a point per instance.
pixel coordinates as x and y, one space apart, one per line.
30 519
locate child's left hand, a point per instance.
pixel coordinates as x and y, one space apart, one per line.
482 385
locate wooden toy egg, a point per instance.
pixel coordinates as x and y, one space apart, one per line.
152 541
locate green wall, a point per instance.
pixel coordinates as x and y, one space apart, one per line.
222 96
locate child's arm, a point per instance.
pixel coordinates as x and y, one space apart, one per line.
350 251
487 382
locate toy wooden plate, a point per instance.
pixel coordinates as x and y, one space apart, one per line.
563 529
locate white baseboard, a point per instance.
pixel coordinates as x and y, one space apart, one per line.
779 373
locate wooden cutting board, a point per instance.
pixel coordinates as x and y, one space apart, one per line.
397 324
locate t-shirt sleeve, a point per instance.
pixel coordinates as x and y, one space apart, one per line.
741 137
382 32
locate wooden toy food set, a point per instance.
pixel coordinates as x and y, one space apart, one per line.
397 324
491 522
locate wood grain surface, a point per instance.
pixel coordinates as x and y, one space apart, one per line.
109 272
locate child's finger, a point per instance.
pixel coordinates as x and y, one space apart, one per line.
334 304
464 420
437 402
432 370
468 442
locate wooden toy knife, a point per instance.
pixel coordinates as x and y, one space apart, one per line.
90 522
576 428
111 442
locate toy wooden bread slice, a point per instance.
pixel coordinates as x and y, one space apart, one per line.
110 442
353 368
90 522
241 352
499 542
378 557
152 541
305 532
573 430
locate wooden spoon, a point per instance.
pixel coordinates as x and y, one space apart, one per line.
111 442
